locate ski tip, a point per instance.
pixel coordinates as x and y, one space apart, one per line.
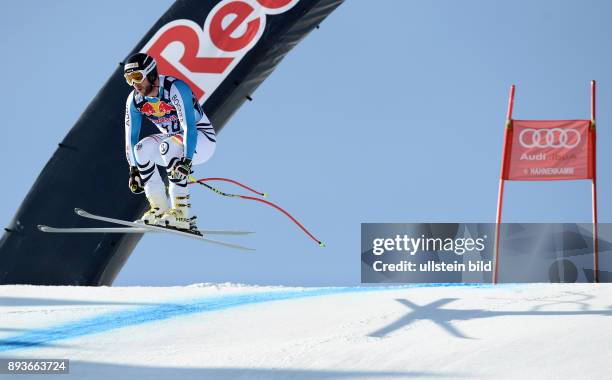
42 227
265 195
322 245
79 211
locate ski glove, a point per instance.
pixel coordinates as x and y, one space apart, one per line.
181 170
135 182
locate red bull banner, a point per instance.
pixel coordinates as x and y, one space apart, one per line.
203 55
544 150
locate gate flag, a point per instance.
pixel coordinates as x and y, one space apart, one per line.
548 150
542 150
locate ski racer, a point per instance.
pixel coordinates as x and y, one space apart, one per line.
186 138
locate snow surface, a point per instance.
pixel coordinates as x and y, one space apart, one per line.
230 331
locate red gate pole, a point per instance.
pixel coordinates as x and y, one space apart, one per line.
594 188
500 194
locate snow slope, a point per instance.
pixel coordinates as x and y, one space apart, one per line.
226 331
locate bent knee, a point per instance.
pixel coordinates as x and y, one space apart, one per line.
146 150
170 148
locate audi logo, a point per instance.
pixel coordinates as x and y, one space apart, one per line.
549 138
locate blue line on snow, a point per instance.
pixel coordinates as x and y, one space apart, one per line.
106 322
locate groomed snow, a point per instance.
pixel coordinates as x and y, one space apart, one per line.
229 331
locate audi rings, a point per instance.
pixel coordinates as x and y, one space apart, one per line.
549 138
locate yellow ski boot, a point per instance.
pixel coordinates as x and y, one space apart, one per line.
158 206
177 217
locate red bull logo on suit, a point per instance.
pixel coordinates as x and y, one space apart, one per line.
158 108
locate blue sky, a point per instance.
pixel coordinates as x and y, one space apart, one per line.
392 111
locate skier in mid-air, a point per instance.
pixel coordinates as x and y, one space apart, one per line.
187 138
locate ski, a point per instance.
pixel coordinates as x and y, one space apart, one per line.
119 230
127 230
85 214
150 228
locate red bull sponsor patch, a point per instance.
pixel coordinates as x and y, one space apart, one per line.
157 109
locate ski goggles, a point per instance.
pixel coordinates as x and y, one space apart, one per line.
134 77
137 76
